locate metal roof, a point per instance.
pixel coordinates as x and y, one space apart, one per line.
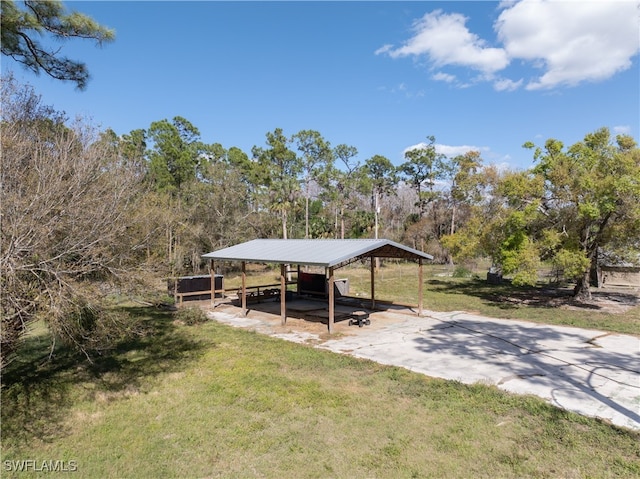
318 252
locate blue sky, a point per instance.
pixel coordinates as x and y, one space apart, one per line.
381 76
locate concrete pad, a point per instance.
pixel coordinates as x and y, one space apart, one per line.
589 372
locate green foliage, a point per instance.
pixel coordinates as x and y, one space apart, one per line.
574 202
381 174
466 242
522 263
278 169
424 166
467 182
19 30
462 272
362 224
572 264
317 164
591 189
175 155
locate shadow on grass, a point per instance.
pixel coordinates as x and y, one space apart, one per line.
37 391
577 373
506 296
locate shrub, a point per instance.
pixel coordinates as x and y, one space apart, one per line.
191 316
462 272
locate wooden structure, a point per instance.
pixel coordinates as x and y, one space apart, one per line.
625 276
330 254
198 287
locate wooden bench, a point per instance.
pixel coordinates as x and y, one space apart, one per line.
179 297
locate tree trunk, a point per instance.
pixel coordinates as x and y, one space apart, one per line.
306 215
582 291
453 219
283 216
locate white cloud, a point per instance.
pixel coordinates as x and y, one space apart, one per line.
451 151
447 150
445 77
570 41
622 130
505 84
445 39
383 49
573 41
404 90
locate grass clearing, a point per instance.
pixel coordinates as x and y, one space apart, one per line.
213 401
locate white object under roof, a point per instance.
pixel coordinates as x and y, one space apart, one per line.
317 252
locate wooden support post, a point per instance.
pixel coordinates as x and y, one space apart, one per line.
175 289
331 301
298 282
420 286
373 284
283 293
243 299
212 270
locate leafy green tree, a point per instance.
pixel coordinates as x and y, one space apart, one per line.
346 181
20 29
277 172
317 159
240 161
175 154
572 204
503 224
466 182
130 149
361 224
424 166
591 196
217 211
382 179
133 148
320 224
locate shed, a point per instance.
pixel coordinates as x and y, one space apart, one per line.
328 253
627 276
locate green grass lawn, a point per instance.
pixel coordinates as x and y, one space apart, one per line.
213 401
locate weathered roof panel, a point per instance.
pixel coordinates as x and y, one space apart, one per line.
318 252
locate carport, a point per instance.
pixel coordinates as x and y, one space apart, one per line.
330 254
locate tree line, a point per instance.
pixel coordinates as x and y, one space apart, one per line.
83 209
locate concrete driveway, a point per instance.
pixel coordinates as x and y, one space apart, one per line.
593 373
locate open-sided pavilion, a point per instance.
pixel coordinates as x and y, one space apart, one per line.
328 253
